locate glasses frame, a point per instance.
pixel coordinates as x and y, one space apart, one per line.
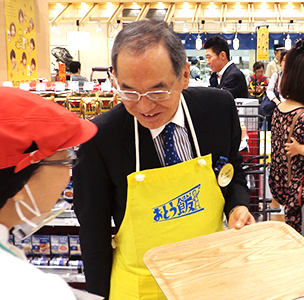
65 162
147 94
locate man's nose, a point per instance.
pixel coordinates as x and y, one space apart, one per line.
145 104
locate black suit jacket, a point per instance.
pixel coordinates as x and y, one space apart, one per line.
100 183
234 81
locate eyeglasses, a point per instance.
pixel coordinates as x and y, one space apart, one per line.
152 95
71 160
67 162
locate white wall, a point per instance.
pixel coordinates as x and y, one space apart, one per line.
98 56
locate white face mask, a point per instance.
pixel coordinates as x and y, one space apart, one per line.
38 218
30 226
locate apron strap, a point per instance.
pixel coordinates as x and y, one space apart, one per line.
188 117
136 145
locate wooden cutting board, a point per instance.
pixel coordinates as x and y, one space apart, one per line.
258 262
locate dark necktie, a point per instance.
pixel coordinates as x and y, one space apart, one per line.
171 156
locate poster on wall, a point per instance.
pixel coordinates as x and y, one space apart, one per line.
20 41
262 43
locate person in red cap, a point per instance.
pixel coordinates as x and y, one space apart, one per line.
35 135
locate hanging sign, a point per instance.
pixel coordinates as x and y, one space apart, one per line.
262 43
20 41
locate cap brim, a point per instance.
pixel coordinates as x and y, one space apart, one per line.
85 132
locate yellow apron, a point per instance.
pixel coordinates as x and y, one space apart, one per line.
164 205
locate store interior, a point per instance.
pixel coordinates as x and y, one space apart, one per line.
86 30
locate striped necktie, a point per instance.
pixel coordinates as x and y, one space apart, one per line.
171 156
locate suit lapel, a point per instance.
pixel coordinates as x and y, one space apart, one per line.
226 73
200 123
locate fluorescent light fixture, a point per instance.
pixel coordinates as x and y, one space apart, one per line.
198 43
288 42
160 5
236 43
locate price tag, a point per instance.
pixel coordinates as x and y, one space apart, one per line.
88 86
73 85
8 83
59 86
24 86
40 86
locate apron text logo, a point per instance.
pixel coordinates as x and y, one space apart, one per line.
181 206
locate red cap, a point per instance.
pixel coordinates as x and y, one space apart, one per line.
26 118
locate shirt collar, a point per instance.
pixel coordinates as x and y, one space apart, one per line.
225 67
178 119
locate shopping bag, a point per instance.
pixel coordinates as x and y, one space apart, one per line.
267 106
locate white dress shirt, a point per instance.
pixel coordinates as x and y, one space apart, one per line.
181 140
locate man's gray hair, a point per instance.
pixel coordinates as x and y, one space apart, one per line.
137 37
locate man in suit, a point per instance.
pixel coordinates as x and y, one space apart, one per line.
229 76
122 173
274 66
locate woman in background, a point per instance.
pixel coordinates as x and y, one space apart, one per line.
290 194
274 85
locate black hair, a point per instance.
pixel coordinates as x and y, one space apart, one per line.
292 83
283 53
12 183
139 36
74 66
258 65
217 45
32 42
12 54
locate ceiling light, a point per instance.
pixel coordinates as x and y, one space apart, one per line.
236 42
110 42
288 42
160 5
198 43
98 28
54 29
185 28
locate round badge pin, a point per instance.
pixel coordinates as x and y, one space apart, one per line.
225 175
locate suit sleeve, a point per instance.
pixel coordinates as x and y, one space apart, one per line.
234 83
92 194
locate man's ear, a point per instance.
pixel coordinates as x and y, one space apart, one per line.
223 55
185 75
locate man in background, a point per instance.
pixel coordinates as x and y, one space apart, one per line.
275 66
75 68
258 82
229 76
195 72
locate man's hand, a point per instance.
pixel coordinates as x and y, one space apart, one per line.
239 217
